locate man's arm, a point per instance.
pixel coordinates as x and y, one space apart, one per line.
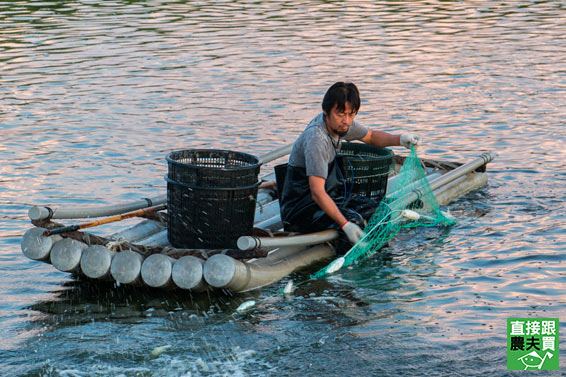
324 201
381 139
385 139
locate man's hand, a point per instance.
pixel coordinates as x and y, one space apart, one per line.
353 232
409 140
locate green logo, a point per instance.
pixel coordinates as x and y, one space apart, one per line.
532 343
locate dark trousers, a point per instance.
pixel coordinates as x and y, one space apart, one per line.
357 210
301 214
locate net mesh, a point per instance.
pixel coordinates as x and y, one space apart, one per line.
410 203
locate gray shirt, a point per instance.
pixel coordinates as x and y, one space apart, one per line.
316 148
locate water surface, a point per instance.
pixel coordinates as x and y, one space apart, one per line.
93 95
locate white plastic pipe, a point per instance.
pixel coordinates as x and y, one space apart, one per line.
483 159
35 245
126 267
158 239
222 271
452 175
447 193
266 211
66 254
276 255
156 270
187 273
277 153
139 231
96 262
42 213
251 242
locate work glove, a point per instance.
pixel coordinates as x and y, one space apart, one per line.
409 140
353 232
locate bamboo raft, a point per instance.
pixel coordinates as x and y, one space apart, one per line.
141 255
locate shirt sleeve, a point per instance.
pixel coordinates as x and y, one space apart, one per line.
316 158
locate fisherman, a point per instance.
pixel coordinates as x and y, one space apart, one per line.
313 197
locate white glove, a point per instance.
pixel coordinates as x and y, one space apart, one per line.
353 232
408 140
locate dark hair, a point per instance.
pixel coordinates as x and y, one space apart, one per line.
340 93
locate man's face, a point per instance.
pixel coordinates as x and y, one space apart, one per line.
338 122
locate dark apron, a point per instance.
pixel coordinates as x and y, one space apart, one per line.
300 213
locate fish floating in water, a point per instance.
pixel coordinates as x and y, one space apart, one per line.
244 306
289 288
159 350
336 265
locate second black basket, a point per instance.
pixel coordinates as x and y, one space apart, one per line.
367 169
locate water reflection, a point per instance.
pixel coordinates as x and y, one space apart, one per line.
94 95
83 301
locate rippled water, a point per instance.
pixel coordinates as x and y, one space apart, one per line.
93 95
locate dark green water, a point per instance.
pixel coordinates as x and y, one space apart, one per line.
93 95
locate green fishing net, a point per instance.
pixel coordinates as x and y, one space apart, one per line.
409 203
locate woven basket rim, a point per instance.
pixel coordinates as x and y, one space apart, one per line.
366 151
249 165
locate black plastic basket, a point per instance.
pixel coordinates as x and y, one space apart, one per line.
367 169
209 218
213 168
211 197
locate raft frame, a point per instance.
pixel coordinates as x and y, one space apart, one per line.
263 258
